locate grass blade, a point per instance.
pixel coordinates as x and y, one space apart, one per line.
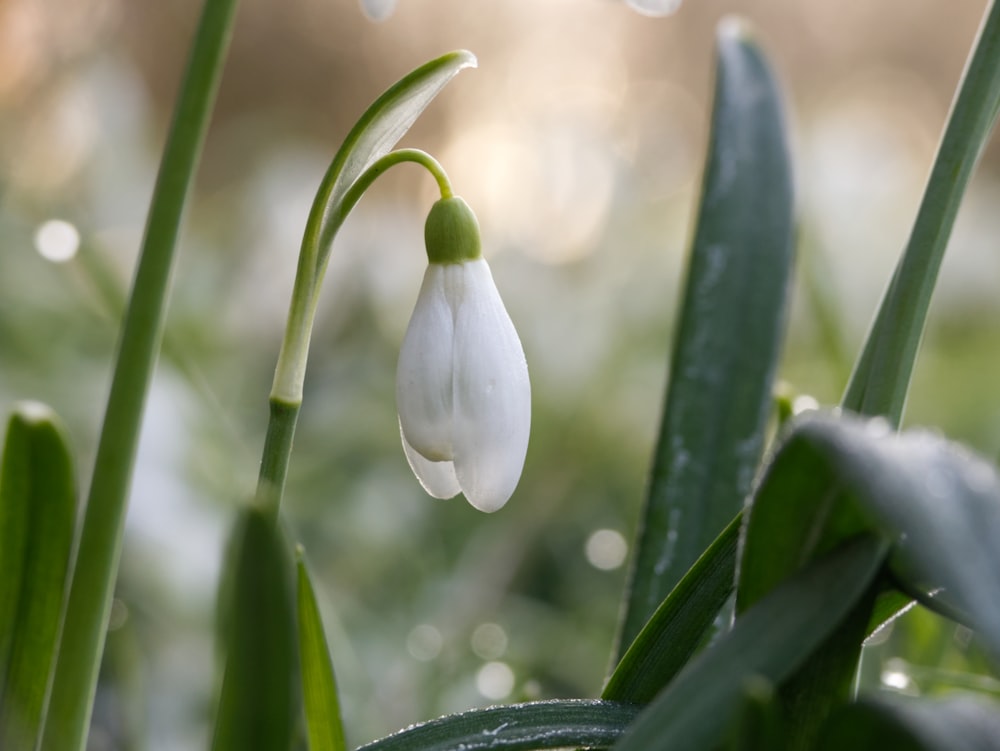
37 519
882 374
517 727
729 333
258 707
770 641
96 566
319 686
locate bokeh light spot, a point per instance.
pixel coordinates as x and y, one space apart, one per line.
424 642
57 240
606 549
495 680
489 641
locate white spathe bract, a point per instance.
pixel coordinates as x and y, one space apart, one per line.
462 388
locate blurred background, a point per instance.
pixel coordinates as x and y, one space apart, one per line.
579 142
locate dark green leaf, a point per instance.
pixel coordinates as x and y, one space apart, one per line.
881 376
758 723
517 727
770 640
319 686
37 517
679 625
729 333
963 723
259 707
939 502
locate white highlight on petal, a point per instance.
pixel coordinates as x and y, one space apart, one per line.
424 373
462 388
492 408
437 478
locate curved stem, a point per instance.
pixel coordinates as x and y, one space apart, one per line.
289 375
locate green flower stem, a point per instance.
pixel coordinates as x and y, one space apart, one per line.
277 450
291 370
289 375
89 603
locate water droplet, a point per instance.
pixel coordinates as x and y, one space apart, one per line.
378 10
654 7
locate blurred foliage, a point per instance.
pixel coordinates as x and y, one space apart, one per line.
577 142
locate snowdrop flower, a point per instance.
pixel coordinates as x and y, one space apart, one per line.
462 387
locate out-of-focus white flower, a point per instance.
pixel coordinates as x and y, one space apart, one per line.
462 386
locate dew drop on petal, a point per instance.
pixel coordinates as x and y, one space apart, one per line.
654 7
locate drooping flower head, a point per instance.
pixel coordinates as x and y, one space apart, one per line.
462 386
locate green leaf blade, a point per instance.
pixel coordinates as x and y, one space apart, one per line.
518 727
729 332
881 377
770 640
677 628
37 520
319 686
960 723
258 707
96 566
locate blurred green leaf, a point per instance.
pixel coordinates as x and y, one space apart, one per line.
677 628
729 334
961 723
37 518
517 727
96 567
758 722
259 707
770 640
319 686
882 373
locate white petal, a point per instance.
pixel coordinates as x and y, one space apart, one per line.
492 417
424 372
437 478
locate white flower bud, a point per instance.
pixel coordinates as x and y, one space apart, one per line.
462 388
